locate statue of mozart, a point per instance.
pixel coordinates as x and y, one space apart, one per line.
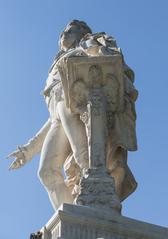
63 139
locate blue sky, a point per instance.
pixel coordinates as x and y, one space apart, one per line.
29 32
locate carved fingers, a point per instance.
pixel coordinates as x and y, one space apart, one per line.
19 161
16 154
17 164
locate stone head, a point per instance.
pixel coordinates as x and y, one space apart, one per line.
73 33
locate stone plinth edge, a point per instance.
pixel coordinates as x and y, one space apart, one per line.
81 222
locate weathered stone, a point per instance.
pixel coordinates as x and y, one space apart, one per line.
91 100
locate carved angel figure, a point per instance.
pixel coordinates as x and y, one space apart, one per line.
62 141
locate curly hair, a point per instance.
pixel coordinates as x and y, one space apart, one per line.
81 25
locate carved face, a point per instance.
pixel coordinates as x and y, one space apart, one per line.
80 92
111 91
70 37
95 75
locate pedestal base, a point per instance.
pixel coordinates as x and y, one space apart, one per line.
97 190
81 222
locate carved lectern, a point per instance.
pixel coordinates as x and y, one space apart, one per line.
93 87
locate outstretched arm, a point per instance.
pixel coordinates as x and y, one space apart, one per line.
26 152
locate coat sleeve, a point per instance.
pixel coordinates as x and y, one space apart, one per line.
35 144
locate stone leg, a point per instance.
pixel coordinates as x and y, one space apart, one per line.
76 134
55 150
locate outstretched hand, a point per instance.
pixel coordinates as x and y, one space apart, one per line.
19 161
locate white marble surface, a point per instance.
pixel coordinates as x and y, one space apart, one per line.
64 139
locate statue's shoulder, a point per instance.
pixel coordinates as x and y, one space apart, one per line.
56 58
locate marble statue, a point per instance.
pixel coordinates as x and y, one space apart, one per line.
65 138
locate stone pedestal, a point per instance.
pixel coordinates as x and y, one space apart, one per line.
81 222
